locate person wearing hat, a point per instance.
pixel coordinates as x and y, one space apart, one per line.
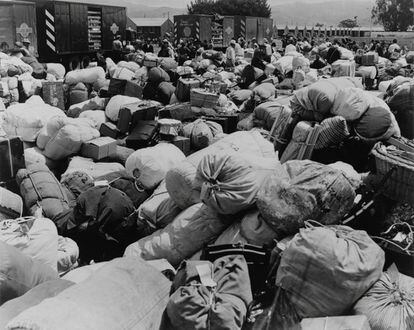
117 44
166 50
25 44
231 54
183 52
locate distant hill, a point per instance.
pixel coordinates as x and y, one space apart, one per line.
328 13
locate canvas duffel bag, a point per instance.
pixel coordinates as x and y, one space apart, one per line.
215 299
40 188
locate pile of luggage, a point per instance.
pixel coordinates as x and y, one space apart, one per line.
158 196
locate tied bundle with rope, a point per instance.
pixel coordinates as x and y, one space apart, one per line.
389 303
348 261
310 191
209 295
201 133
40 189
203 98
230 182
34 237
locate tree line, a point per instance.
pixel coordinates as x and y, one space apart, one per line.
394 15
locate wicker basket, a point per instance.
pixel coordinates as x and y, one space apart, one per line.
400 186
203 99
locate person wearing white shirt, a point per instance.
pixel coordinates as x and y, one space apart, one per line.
267 47
231 54
239 50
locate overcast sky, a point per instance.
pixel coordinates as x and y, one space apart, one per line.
183 3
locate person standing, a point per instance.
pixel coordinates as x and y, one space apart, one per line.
268 47
231 54
147 47
239 51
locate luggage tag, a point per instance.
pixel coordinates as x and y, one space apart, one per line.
101 183
204 272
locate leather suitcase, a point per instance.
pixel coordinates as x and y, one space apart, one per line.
116 87
146 110
133 89
179 111
11 157
109 129
142 110
52 94
369 59
182 143
142 135
184 87
228 122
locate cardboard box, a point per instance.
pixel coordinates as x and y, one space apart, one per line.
110 130
99 148
52 94
354 322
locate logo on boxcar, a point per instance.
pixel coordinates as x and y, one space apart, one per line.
114 28
187 31
24 30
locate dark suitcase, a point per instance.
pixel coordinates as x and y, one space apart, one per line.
116 86
11 157
227 122
133 89
142 135
179 111
224 122
52 94
144 110
183 143
103 93
110 129
134 112
149 92
184 86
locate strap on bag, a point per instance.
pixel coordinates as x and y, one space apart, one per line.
22 223
280 121
306 149
10 158
410 238
39 195
365 205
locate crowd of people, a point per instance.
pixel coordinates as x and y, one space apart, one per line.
264 55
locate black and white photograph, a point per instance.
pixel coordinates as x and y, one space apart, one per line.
207 165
